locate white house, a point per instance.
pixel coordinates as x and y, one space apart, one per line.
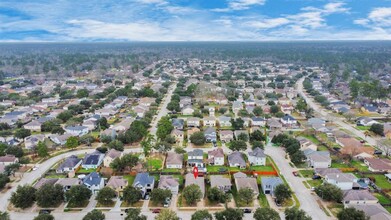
174 160
170 183
216 157
76 130
288 120
94 182
255 121
344 181
257 157
209 121
187 110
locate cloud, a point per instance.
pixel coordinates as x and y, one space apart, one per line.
160 2
378 21
268 23
234 5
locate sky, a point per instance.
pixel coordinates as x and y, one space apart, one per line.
193 20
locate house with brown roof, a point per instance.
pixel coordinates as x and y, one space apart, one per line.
226 135
178 135
378 164
111 155
147 101
358 197
348 142
199 181
242 181
118 183
358 152
174 160
221 182
8 159
169 182
216 157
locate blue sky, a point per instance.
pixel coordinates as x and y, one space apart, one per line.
193 20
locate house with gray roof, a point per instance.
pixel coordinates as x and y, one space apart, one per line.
235 159
178 123
269 184
345 181
221 182
243 181
93 160
358 197
318 159
257 157
169 182
322 172
144 182
174 160
224 121
210 134
94 182
373 211
199 181
195 158
67 183
70 164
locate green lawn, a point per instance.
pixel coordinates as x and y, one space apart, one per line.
363 128
339 165
171 170
263 200
359 165
306 173
55 176
382 199
234 169
381 181
82 170
215 168
154 163
312 138
314 183
130 179
262 168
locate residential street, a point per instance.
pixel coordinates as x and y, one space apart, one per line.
307 201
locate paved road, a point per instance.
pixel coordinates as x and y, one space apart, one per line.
307 200
339 121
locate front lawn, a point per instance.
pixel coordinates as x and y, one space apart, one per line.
382 199
306 173
71 204
263 200
363 128
238 202
262 168
314 183
171 170
137 204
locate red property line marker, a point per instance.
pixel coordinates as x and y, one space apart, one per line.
195 172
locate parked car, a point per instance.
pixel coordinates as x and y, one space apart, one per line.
278 203
316 177
295 173
45 211
247 210
156 211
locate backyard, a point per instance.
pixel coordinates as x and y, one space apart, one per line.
154 163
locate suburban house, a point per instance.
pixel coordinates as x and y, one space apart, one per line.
372 211
378 164
211 110
221 182
226 136
8 159
193 122
70 164
344 181
256 121
288 120
224 121
239 132
184 101
269 184
322 172
237 106
318 159
170 183
31 142
348 142
216 157
178 135
174 160
235 159
365 121
178 123
190 132
33 126
210 134
76 130
111 155
67 183
274 124
359 197
188 110
92 161
144 182
306 144
90 124
118 183
242 181
209 121
195 158
94 182
257 157
199 181
60 139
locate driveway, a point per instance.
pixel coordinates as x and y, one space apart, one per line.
307 201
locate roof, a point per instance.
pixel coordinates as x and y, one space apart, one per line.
68 181
199 181
113 153
257 152
92 159
224 118
174 158
236 157
92 179
239 175
167 182
325 171
341 177
358 195
219 180
379 164
318 157
45 181
374 211
117 182
288 118
209 130
76 128
143 179
196 153
272 181
218 152
226 132
177 122
8 158
247 182
71 161
257 119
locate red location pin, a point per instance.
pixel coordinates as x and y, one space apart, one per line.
195 172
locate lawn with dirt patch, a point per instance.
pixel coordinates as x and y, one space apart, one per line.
262 168
306 173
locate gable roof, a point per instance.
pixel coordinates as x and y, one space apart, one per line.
117 182
113 153
218 152
70 162
358 195
143 179
174 158
257 152
219 180
196 153
92 159
167 182
92 179
271 181
236 157
199 181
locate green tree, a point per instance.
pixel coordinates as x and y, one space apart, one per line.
65 115
282 192
266 213
352 214
164 127
246 195
216 195
103 124
78 195
258 111
192 193
179 150
95 215
117 145
257 136
201 215
135 214
131 195
23 197
242 137
296 214
147 144
230 214
158 196
128 160
72 142
354 86
237 145
198 138
42 149
4 179
257 144
329 192
106 195
167 214
49 195
4 216
21 133
274 109
163 146
298 157
15 150
377 129
237 124
44 216
82 93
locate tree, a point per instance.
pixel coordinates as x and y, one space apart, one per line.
4 179
242 137
179 150
72 142
164 127
131 195
352 214
94 215
102 123
160 195
198 138
135 214
44 216
274 109
15 150
4 216
87 139
163 146
329 192
21 133
282 192
230 214
246 194
78 195
65 115
258 111
117 145
192 193
257 144
11 169
298 157
201 215
82 93
106 195
24 197
257 136
237 145
120 163
295 214
222 110
266 214
147 144
237 124
377 129
216 195
167 214
50 195
42 149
